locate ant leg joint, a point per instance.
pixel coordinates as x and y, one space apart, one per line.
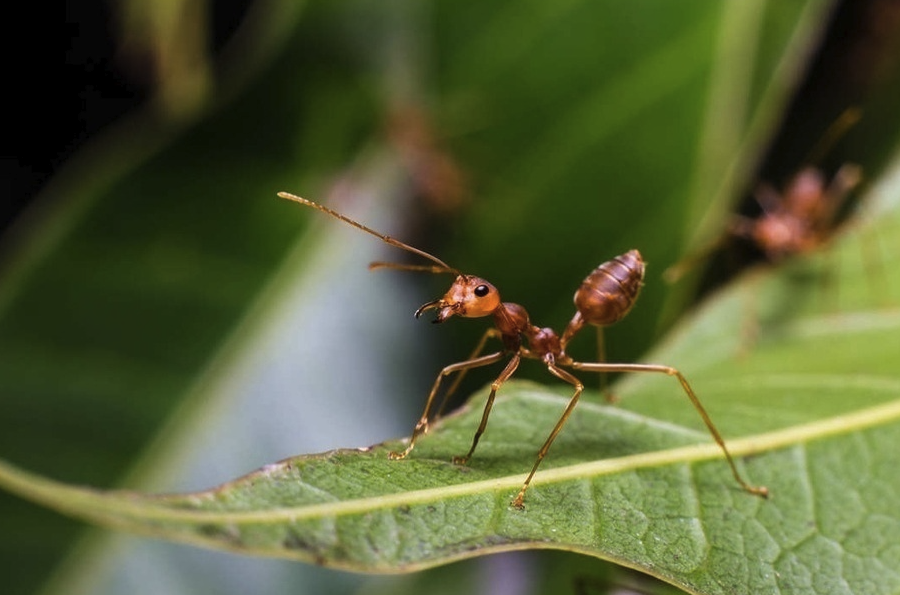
421 427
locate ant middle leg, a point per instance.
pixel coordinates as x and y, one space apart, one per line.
508 371
519 500
422 424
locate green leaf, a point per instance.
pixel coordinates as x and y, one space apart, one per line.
143 321
812 409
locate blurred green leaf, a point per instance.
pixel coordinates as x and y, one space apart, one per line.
140 260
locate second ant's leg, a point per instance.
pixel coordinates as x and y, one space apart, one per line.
422 424
669 371
495 386
519 501
768 198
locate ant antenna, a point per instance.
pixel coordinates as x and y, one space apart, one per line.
844 122
442 267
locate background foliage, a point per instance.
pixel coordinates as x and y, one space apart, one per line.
168 324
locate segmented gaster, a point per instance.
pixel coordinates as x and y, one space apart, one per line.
609 292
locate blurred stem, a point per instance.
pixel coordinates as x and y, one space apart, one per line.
166 43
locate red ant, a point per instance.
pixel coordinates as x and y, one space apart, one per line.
798 220
802 217
605 297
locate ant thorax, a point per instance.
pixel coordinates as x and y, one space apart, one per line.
545 343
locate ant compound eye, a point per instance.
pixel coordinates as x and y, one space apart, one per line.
475 296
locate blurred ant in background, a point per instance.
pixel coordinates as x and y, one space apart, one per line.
797 220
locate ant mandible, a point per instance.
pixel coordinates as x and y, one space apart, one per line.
604 297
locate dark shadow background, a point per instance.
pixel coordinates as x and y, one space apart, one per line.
81 66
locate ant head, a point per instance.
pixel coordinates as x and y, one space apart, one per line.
470 297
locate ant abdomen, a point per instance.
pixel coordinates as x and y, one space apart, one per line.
609 292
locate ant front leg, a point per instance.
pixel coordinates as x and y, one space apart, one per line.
422 424
670 371
491 333
508 371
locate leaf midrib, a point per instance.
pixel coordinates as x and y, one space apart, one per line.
82 500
